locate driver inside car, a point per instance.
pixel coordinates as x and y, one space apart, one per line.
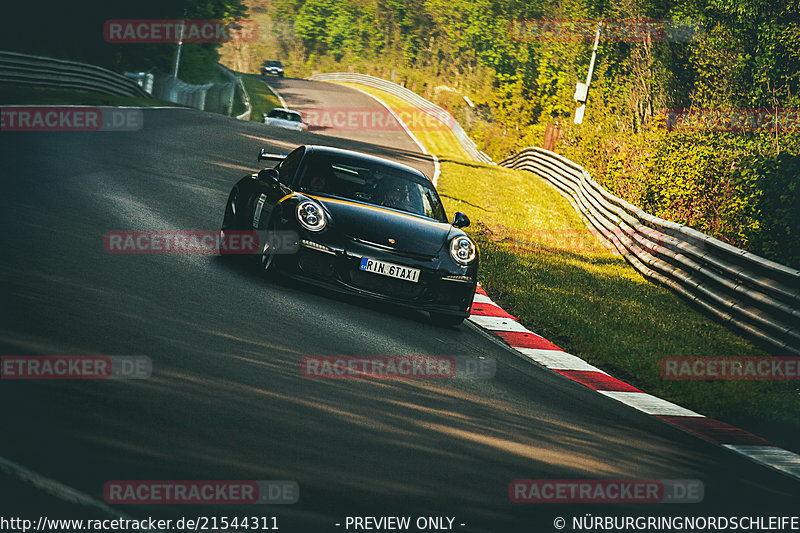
392 193
318 183
318 180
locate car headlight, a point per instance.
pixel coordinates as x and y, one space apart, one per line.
311 216
463 250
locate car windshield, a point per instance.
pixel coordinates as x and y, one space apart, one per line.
372 183
273 63
285 115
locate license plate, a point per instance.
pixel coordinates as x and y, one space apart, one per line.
389 269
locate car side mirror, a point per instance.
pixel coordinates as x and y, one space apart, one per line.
263 155
460 220
270 176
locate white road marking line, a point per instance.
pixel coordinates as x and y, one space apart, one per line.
499 323
778 458
280 98
558 360
54 488
649 404
483 299
770 456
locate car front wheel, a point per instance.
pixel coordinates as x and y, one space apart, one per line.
267 255
229 219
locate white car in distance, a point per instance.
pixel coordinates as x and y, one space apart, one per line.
285 118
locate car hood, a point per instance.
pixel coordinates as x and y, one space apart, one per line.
283 123
376 225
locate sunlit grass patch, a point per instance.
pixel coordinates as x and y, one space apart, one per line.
261 98
541 262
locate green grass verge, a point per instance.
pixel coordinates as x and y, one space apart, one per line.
261 98
238 106
544 266
541 263
11 95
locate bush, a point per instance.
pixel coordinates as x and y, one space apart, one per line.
741 188
777 209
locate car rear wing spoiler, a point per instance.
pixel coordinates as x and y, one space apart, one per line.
264 156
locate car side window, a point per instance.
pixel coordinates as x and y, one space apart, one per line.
288 167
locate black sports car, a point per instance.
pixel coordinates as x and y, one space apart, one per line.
364 225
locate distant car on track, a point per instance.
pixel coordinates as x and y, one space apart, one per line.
273 67
365 225
285 118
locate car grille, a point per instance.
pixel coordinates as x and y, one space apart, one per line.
402 253
317 264
395 288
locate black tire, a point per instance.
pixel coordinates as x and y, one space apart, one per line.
230 220
267 260
444 320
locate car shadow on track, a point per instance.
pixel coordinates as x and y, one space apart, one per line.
248 267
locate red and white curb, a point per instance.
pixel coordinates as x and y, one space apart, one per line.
491 317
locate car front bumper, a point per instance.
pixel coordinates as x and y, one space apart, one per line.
437 290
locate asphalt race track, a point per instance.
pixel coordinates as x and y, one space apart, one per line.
227 400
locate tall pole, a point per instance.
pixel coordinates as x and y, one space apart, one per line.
594 54
582 90
181 29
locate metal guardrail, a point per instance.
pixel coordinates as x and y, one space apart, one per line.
756 296
211 97
248 108
238 88
415 100
50 73
171 89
